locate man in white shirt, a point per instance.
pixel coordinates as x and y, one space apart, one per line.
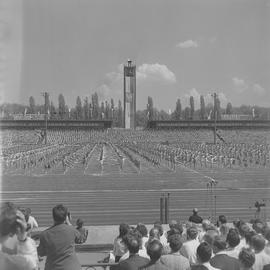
189 248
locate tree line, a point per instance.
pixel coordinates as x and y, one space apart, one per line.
92 109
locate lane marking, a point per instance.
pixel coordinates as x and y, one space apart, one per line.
129 190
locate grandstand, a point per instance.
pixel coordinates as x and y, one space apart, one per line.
110 175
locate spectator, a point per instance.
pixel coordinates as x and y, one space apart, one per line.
220 259
58 243
246 259
243 230
141 228
154 250
83 231
174 260
119 247
233 240
248 237
210 236
267 237
162 237
223 226
261 258
195 218
31 220
24 257
204 253
205 227
189 248
134 261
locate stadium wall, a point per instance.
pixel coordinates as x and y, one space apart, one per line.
55 124
225 124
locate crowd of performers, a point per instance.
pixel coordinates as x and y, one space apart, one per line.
191 148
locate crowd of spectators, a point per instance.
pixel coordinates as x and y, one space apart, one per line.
195 244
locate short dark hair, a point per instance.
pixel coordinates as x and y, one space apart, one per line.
210 236
154 250
192 232
249 235
142 229
204 252
79 222
159 227
132 242
8 219
243 229
154 233
123 229
233 238
175 242
219 243
258 242
247 257
222 219
59 213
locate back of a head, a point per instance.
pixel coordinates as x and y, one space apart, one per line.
175 242
222 219
247 258
195 211
154 250
8 219
258 226
192 233
154 233
210 236
133 243
172 224
219 244
258 242
123 229
79 223
159 227
243 229
249 236
204 252
142 229
59 213
233 238
206 224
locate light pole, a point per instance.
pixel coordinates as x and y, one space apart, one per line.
215 117
46 99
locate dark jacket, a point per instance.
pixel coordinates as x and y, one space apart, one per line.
158 265
225 262
58 244
133 262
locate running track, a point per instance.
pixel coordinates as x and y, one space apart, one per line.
132 198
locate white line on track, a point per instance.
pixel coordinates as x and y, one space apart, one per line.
127 190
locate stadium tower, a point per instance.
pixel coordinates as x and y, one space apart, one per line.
130 95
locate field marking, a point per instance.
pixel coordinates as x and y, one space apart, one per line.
128 190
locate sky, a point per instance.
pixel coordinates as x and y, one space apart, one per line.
180 48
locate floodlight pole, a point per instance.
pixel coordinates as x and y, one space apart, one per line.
215 117
46 98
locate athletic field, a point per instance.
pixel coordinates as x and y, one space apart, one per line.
112 198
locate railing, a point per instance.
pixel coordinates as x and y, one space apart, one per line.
98 265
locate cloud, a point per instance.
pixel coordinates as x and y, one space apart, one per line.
187 44
207 98
239 85
257 89
112 85
156 72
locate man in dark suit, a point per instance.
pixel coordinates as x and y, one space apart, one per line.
154 250
58 243
174 260
133 242
222 260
